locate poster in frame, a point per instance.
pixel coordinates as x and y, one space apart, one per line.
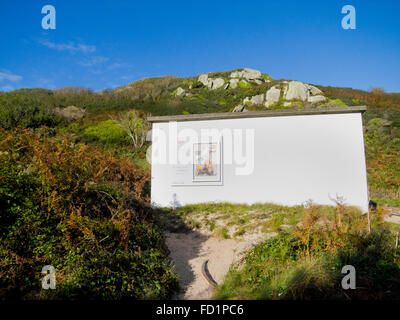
207 162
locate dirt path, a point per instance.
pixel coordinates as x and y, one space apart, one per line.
188 252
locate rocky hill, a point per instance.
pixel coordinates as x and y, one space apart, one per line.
280 94
237 90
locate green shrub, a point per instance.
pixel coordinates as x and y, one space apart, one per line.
266 76
27 116
82 211
244 84
306 263
334 103
106 132
382 144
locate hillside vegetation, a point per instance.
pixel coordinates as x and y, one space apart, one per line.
74 181
81 210
30 108
305 261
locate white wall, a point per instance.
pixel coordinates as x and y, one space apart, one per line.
296 158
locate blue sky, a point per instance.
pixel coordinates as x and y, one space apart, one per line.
105 44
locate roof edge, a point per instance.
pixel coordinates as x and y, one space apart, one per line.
257 114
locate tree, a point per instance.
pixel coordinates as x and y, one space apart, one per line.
134 123
378 90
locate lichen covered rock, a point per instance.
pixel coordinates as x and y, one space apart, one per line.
297 91
272 96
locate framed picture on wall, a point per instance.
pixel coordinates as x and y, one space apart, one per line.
207 162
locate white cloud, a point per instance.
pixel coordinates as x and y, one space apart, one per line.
71 46
117 65
9 76
93 61
7 88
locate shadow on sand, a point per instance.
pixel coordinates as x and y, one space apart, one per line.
183 244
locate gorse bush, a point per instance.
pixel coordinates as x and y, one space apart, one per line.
82 211
27 116
106 132
382 144
306 263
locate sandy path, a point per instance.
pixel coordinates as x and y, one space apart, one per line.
188 252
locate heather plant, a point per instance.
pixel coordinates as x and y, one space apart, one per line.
84 212
306 262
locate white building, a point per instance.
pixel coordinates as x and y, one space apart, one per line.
281 156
